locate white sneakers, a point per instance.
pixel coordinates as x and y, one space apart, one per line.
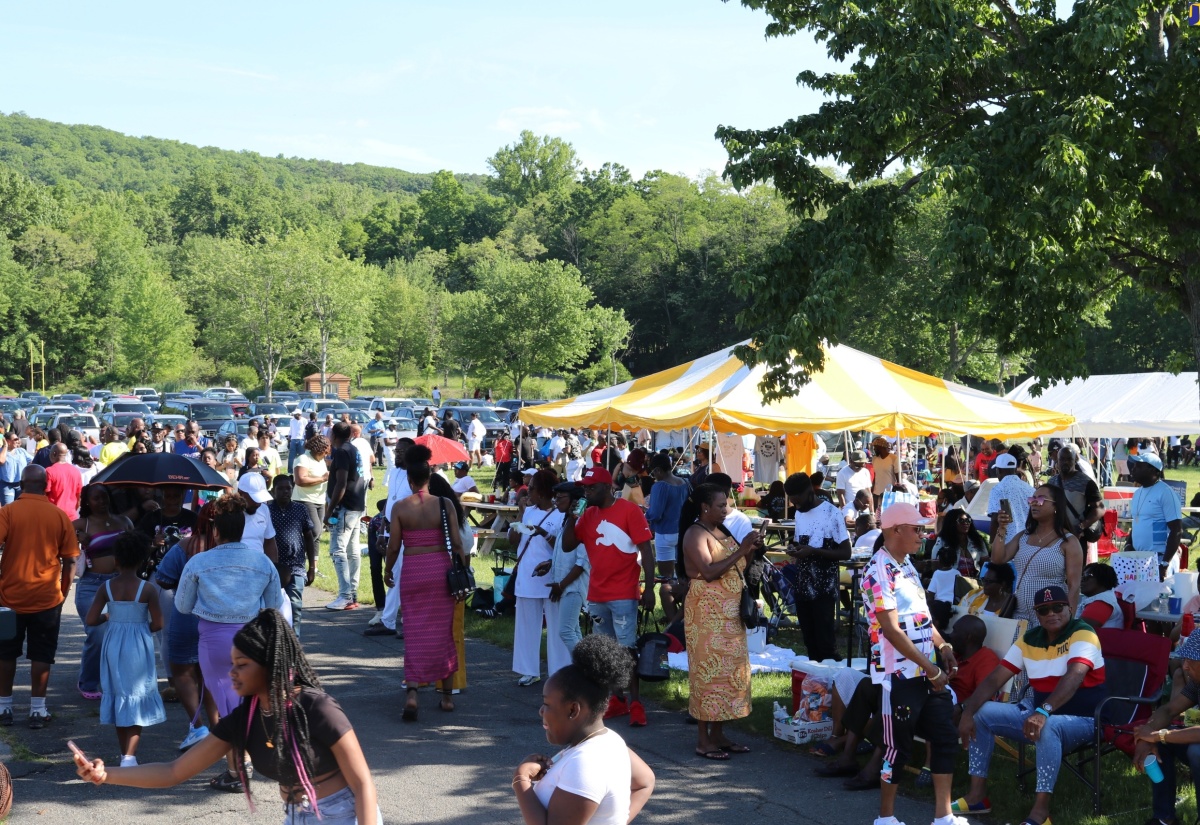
376 619
339 603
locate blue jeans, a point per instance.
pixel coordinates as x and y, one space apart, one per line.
8 494
336 809
89 659
346 552
295 593
295 450
1061 734
568 619
1163 793
617 619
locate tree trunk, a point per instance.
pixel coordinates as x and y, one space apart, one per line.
952 365
1191 288
517 380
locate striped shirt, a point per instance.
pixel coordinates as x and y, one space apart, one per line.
1046 664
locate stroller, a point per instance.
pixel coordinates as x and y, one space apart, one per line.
777 590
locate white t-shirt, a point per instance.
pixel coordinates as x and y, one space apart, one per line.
766 459
296 429
463 485
397 484
476 430
852 481
258 528
596 769
246 443
535 549
866 541
738 524
514 429
365 454
941 584
1013 488
556 446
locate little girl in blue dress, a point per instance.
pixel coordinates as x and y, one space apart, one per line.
127 666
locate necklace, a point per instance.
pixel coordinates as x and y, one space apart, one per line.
262 717
562 752
1040 540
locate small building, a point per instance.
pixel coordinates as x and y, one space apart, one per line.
335 383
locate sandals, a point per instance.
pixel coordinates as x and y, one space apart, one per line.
410 711
960 806
717 755
733 747
446 704
823 749
1029 821
924 778
226 781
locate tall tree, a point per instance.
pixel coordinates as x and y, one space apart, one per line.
155 334
1068 145
515 329
404 308
533 166
445 207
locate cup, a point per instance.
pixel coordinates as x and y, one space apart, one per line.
491 499
1175 605
1153 770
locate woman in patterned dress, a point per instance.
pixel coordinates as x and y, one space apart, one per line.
718 659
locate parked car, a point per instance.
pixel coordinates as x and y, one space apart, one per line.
422 403
405 427
518 403
239 427
34 399
169 422
140 391
386 405
321 406
359 404
123 406
265 408
462 415
99 395
89 425
207 413
8 406
240 404
120 420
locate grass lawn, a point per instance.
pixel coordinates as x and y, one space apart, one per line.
414 382
1126 794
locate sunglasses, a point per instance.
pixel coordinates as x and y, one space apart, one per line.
1039 499
1048 609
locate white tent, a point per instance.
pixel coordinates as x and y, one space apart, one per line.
1117 406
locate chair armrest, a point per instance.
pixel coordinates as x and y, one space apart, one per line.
1137 700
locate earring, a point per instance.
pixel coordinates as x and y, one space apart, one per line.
572 715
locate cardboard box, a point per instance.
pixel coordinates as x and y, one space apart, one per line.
801 733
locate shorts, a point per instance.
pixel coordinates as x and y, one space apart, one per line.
617 619
474 444
910 708
666 547
42 630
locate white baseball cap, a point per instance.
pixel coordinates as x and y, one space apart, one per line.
255 486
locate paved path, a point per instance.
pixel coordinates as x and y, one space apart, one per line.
447 768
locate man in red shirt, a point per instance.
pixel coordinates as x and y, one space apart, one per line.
617 538
64 484
983 461
502 452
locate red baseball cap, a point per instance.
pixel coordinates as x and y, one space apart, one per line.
596 475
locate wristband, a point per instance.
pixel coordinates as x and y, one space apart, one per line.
1043 712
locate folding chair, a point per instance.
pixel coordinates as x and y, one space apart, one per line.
1135 669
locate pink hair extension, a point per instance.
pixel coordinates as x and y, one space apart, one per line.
301 773
241 764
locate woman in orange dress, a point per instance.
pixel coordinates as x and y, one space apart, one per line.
718 659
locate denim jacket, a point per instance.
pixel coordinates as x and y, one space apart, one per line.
228 583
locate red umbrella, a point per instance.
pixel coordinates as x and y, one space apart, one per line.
445 450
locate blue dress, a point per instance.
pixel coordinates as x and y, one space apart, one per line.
127 672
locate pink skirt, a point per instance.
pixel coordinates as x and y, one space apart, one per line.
428 611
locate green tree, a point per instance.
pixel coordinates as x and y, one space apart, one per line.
24 203
392 230
405 310
1067 144
533 166
219 202
337 298
155 334
445 207
529 318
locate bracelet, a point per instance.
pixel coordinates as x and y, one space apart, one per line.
1162 736
945 645
519 778
1043 712
934 678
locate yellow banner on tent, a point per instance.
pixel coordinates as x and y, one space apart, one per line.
854 391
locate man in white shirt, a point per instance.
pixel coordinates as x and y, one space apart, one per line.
366 456
259 532
852 478
295 438
1013 489
398 488
821 541
251 439
475 433
430 422
437 396
463 483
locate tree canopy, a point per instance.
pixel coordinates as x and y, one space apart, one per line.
1064 149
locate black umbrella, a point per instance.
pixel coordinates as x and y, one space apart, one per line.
161 470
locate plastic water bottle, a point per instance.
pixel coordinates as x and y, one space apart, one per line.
333 520
780 714
1153 769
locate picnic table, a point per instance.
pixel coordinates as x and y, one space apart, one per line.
485 536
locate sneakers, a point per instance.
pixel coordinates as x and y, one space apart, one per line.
339 604
194 735
616 707
637 715
6 718
887 820
352 606
526 681
37 721
377 630
376 619
951 819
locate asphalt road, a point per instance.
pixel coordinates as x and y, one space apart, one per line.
446 768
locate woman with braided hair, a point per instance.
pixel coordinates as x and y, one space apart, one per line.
293 732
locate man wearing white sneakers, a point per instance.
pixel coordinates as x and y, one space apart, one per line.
915 700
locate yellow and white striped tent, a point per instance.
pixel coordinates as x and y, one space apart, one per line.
854 391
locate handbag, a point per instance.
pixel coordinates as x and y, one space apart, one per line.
1090 534
652 657
459 578
747 605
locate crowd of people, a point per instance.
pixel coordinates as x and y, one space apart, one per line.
606 528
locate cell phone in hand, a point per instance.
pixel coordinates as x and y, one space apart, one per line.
1006 506
75 750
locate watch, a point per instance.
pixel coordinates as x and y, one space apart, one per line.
1162 736
1046 709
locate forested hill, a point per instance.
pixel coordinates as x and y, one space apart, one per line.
94 157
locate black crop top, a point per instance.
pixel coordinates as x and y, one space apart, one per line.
327 723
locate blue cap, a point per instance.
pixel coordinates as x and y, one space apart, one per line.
1050 595
1147 457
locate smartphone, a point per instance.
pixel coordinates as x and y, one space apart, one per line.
75 750
1006 507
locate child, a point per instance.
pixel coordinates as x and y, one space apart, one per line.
127 669
941 588
378 533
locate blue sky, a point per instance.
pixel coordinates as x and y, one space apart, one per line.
416 85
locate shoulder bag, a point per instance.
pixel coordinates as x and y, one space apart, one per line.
460 578
1090 534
